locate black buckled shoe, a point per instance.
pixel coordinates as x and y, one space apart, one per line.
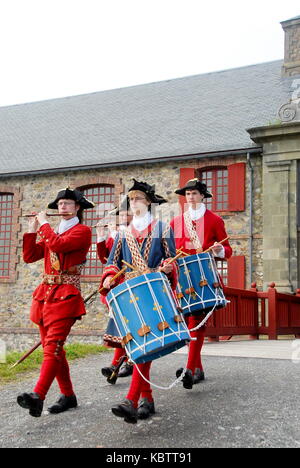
145 409
107 371
198 376
126 410
188 379
32 402
126 370
179 372
63 404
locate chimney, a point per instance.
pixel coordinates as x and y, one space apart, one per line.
291 29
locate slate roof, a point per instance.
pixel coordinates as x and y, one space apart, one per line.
199 114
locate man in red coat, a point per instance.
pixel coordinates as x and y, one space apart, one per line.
57 301
196 230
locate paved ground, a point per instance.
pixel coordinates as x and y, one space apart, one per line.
244 402
270 349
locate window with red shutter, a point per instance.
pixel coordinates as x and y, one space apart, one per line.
227 185
104 198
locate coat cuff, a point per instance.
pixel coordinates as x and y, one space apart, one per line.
173 275
110 270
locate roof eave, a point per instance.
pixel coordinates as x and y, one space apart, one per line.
162 159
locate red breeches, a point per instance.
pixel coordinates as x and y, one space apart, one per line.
195 346
55 364
139 388
118 354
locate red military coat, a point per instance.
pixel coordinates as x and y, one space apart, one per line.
57 301
210 229
104 248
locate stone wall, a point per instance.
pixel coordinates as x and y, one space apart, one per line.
291 64
38 190
281 151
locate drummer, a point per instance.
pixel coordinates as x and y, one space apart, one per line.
196 230
145 244
111 338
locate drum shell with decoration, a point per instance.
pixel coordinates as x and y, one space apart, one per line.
147 317
199 288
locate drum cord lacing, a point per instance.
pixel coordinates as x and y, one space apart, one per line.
202 302
205 319
161 316
159 386
159 312
161 338
184 370
139 346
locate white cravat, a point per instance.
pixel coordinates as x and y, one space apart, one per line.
196 214
199 213
67 224
141 222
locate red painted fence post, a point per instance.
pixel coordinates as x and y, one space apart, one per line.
297 335
272 312
254 337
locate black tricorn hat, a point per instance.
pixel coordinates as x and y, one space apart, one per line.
149 190
70 194
124 205
194 184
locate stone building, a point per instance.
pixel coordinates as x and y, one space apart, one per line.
238 130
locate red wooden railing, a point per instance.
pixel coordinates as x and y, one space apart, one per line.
252 312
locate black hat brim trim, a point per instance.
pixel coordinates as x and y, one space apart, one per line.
184 189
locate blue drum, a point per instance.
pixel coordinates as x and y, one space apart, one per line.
147 317
199 288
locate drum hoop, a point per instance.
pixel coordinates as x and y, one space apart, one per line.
147 281
218 300
140 347
197 256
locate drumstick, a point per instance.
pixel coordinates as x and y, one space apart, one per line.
183 253
115 277
212 246
129 265
113 378
174 258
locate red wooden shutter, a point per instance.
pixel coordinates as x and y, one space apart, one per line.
236 272
236 187
186 173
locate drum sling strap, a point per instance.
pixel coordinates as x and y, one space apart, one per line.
192 232
138 261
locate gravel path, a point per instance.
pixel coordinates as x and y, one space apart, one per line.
244 402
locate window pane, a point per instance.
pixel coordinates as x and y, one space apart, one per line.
104 197
217 183
6 207
223 270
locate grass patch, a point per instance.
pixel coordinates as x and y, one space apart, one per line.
33 362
